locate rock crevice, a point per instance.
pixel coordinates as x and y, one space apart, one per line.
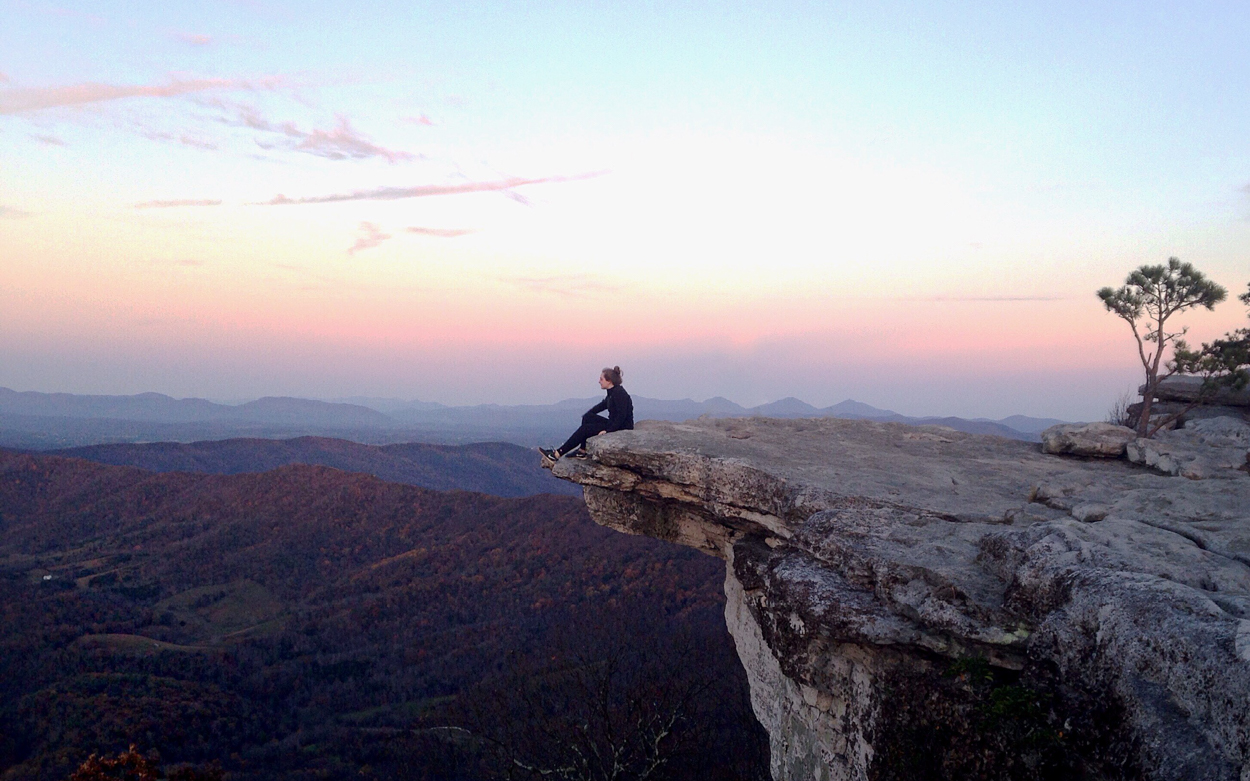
914 600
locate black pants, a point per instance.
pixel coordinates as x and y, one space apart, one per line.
592 424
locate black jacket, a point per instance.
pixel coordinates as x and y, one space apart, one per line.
620 409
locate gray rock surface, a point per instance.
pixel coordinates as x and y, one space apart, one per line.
1183 387
1103 440
1203 449
908 598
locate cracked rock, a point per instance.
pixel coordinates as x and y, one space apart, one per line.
867 561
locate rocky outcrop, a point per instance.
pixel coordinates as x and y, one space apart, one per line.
1101 440
1204 448
914 602
1187 388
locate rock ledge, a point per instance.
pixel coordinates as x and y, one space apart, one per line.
889 586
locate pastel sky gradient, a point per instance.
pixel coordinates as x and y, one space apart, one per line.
908 204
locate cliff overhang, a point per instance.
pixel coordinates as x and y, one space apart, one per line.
915 599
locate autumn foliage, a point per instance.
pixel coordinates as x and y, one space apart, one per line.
309 622
132 765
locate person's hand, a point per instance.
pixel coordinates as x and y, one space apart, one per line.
603 432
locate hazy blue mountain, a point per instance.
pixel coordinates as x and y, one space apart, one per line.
159 408
720 405
788 407
497 468
968 426
683 409
857 409
1029 425
386 405
155 407
58 420
284 410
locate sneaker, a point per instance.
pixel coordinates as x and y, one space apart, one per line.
550 455
580 453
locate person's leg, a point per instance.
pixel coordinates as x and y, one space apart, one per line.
591 425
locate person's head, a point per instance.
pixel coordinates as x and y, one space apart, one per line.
609 378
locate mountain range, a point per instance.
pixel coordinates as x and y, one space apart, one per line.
44 421
498 468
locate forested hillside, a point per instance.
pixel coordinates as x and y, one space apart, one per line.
309 622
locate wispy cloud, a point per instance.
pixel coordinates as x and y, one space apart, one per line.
564 285
425 190
4 78
420 119
342 142
180 138
250 117
175 204
446 233
370 236
16 101
194 39
49 140
10 212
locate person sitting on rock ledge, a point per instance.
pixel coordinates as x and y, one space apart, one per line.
620 409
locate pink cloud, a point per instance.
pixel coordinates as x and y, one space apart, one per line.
564 285
446 233
176 203
250 117
181 138
198 143
194 39
425 190
370 236
343 142
420 119
15 101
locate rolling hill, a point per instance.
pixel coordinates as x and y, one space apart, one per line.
308 622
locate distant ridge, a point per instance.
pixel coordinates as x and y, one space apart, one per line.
497 468
159 408
43 421
856 409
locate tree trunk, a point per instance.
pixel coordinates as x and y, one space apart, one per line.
1147 399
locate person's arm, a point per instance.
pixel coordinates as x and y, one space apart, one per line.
600 407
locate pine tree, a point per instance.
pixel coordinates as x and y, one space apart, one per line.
1150 296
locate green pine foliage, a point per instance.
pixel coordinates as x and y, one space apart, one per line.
1151 296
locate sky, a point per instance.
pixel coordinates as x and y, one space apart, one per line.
908 204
